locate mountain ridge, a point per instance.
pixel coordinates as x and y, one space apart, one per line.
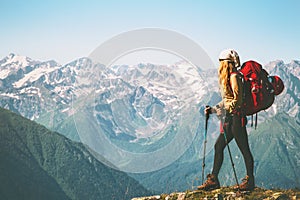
51 166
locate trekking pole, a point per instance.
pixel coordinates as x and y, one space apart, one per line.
226 141
205 141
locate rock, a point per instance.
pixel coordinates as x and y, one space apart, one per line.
279 196
157 197
226 193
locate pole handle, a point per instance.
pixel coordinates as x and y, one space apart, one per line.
207 113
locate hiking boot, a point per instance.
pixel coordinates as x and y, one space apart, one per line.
246 185
211 183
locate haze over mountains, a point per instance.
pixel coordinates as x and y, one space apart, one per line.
141 109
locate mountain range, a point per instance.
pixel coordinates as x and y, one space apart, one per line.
136 115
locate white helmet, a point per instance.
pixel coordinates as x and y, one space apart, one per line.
230 54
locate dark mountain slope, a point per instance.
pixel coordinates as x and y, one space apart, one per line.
276 150
36 163
20 173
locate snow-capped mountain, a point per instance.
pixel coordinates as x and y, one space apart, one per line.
47 91
49 85
13 63
136 108
289 100
34 88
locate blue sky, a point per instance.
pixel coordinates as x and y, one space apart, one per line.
66 30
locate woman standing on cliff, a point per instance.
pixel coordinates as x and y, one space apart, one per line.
232 119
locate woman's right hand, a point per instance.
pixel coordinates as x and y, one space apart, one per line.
210 110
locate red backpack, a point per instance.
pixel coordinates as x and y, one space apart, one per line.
259 88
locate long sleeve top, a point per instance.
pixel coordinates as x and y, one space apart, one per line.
232 96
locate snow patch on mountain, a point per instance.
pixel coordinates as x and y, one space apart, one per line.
4 73
36 74
15 60
10 95
31 91
12 63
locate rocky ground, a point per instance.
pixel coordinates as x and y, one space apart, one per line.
229 194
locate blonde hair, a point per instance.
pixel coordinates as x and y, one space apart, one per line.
225 69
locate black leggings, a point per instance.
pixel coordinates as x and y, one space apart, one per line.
233 129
